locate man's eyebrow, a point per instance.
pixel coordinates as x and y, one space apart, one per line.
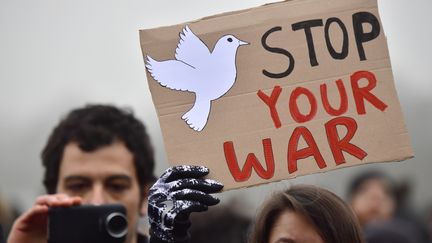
76 177
285 240
119 177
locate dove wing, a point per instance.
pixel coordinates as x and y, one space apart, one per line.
173 74
191 49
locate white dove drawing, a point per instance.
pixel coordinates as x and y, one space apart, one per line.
195 69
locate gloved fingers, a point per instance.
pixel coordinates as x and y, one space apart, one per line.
204 185
184 207
179 207
154 211
195 195
183 171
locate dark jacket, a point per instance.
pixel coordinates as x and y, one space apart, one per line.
142 239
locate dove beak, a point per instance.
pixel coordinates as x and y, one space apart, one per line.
243 43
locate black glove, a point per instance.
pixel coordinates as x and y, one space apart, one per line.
179 192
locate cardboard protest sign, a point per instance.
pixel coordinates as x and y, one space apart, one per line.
277 91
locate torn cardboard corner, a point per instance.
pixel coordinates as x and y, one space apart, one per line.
278 91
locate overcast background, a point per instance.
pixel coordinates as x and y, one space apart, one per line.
56 55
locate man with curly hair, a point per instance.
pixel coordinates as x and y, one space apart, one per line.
97 154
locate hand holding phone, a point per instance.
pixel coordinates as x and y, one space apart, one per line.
31 226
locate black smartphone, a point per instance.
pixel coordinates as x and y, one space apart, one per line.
87 224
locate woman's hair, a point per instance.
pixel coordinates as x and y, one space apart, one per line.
333 219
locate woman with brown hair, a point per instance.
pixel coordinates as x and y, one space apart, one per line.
301 214
306 214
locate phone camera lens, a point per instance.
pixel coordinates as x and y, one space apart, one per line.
116 225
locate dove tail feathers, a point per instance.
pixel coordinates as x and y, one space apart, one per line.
150 62
150 65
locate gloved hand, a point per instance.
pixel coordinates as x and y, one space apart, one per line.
178 192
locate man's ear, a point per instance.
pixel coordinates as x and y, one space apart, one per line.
144 201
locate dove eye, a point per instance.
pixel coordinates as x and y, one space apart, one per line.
229 39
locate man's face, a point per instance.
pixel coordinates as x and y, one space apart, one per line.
104 176
373 202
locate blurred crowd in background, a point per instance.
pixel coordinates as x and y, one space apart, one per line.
382 204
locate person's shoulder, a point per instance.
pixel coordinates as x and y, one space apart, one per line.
394 231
